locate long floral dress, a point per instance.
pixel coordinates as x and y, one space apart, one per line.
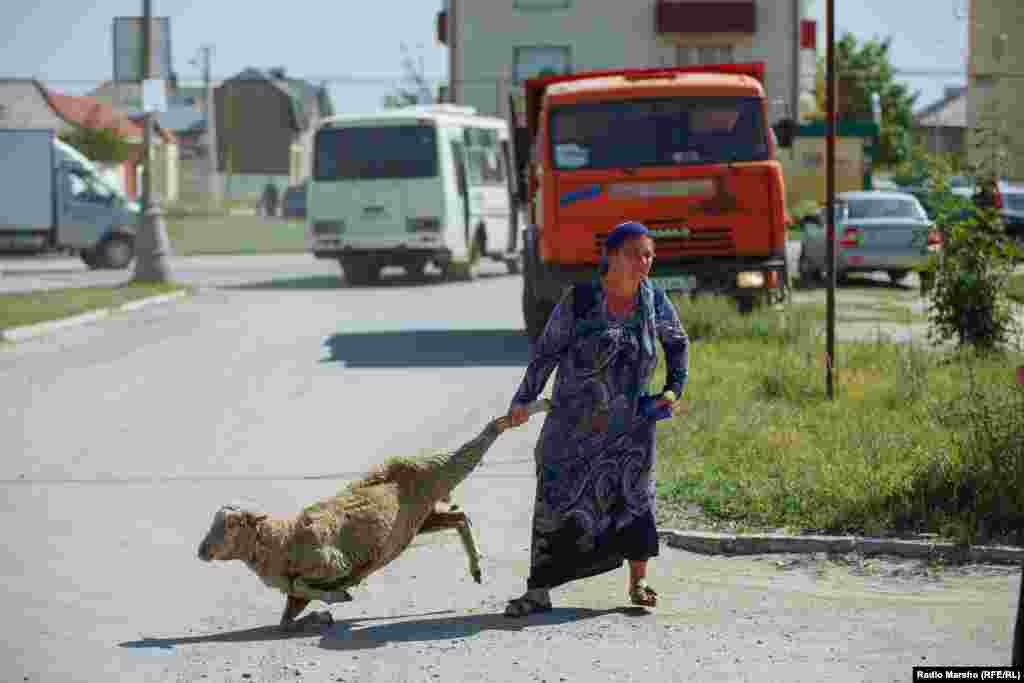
594 505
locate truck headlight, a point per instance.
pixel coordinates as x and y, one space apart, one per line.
750 279
428 224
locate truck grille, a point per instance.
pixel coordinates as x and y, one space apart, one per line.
676 239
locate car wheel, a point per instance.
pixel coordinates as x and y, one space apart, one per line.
114 253
897 276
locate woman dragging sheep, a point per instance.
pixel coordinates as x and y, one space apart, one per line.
594 505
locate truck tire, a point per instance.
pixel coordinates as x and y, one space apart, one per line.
113 253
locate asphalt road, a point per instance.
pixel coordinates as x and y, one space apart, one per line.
276 383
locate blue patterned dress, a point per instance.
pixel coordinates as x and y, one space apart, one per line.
594 505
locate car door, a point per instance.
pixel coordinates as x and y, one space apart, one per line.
86 209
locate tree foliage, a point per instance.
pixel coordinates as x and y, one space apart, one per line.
414 88
98 144
863 69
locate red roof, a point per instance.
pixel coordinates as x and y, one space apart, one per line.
90 112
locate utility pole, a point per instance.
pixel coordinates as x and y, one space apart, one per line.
152 247
213 181
830 197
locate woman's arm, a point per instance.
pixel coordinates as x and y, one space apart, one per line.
675 342
551 346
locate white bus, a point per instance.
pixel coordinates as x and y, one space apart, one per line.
412 186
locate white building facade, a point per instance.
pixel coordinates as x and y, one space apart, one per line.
494 44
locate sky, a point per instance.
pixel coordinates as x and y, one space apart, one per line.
357 47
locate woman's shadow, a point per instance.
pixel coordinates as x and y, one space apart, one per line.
361 633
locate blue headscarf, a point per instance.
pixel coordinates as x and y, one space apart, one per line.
621 233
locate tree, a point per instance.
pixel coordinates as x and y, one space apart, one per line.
862 70
414 89
98 144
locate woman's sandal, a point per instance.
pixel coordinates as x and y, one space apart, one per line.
643 595
521 607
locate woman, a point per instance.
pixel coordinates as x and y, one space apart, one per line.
594 504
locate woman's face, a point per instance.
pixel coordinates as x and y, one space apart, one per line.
633 260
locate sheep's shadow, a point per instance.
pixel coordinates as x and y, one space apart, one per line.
341 635
251 635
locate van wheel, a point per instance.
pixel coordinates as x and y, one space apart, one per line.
88 257
897 276
114 253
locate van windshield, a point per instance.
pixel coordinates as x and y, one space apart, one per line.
375 152
658 132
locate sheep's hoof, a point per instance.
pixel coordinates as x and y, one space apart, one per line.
478 576
310 621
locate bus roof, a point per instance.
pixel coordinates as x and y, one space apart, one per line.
440 113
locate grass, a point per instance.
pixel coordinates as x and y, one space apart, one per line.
190 236
29 308
915 440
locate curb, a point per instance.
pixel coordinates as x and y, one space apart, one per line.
711 543
16 334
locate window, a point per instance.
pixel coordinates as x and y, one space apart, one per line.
85 187
541 60
375 152
486 166
661 132
883 208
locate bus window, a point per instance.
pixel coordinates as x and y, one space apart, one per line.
375 152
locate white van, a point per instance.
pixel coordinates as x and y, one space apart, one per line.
411 186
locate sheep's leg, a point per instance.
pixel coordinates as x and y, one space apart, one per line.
292 608
449 517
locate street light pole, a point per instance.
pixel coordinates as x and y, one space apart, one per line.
830 192
152 247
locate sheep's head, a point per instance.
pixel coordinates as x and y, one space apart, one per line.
230 532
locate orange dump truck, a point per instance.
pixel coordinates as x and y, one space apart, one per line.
686 151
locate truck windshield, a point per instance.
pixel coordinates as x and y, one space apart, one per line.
375 152
658 132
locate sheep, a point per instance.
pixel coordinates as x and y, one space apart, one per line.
339 541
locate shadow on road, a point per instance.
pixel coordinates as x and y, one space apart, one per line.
429 349
342 635
339 282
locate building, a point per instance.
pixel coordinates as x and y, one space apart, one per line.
994 71
494 44
27 103
941 127
262 119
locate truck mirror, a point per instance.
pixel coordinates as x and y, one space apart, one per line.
785 131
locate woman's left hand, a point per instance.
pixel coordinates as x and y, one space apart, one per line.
676 407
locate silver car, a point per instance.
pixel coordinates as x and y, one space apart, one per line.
875 231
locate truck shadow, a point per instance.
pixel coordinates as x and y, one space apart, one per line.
429 349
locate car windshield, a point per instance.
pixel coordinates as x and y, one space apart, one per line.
1014 201
375 152
883 207
658 132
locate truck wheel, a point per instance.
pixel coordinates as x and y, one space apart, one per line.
114 253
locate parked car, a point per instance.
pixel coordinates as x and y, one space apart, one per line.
875 231
294 203
1009 200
